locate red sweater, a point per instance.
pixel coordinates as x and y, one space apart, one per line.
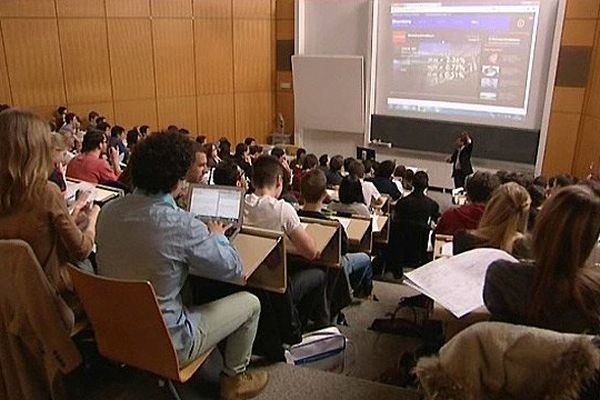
458 218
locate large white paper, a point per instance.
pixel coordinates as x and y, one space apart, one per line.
345 222
457 282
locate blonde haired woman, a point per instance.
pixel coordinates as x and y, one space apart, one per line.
31 207
502 225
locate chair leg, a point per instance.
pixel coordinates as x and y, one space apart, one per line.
173 390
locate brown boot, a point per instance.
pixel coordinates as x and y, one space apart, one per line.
243 386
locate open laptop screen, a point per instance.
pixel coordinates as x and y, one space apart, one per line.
216 203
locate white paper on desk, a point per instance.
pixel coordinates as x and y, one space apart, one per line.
375 225
457 282
448 249
345 222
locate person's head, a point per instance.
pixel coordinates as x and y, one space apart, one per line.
224 149
300 153
565 233
400 172
560 181
278 153
310 161
173 128
104 127
323 160
356 169
201 139
133 137
351 190
25 157
93 141
60 146
540 180
92 117
505 217
407 181
386 169
211 150
117 132
480 187
369 167
268 174
347 162
420 181
4 107
313 186
184 131
537 195
61 112
144 130
72 120
461 140
241 150
161 162
198 167
255 151
336 163
250 141
228 173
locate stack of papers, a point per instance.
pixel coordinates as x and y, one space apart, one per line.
457 282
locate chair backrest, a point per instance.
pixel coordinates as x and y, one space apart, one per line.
127 322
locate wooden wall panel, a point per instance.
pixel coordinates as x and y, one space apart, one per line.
285 106
129 8
136 113
587 147
130 42
105 109
216 116
85 58
27 8
34 64
252 9
567 99
253 116
80 8
212 8
582 8
179 111
214 56
171 8
285 9
5 96
253 58
174 57
562 140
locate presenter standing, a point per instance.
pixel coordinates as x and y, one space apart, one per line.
461 159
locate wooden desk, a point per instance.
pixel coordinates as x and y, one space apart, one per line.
382 234
264 259
360 233
328 240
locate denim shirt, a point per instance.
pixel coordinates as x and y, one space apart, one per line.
147 237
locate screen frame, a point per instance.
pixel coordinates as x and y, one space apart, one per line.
240 219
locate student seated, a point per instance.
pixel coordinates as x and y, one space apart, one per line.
310 162
197 171
133 137
299 160
90 166
559 289
59 160
263 209
372 197
32 208
286 193
479 189
334 173
323 163
410 228
229 174
242 158
357 265
503 224
117 141
352 201
174 245
383 180
212 155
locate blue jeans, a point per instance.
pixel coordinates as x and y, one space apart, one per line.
359 270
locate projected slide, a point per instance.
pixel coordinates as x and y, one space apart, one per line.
458 58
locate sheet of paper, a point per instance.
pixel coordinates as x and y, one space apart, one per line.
345 222
375 226
448 249
457 282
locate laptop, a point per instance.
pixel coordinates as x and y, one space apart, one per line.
223 204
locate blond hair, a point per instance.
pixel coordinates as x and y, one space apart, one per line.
505 217
25 158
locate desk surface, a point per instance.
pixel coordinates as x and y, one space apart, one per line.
253 250
321 234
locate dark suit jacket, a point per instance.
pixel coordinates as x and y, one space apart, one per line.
465 160
387 186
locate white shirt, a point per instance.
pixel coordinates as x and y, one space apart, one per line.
269 213
369 192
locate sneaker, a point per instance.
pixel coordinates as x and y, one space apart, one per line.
243 386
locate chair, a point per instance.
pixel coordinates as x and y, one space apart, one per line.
440 241
129 326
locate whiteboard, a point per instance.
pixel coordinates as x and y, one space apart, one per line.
329 93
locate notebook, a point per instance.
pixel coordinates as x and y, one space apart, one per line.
219 204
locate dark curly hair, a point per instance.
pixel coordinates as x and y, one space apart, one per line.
160 161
